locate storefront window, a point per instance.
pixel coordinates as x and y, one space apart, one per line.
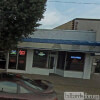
75 61
22 59
97 67
2 60
17 59
61 60
40 59
12 59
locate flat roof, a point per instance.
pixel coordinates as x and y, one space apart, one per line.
87 19
62 30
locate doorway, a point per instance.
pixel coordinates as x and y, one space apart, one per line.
52 63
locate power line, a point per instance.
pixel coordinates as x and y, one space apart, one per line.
86 3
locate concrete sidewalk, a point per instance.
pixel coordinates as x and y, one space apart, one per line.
62 84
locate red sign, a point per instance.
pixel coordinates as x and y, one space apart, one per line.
12 60
22 52
21 61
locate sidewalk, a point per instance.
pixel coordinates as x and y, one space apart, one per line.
62 84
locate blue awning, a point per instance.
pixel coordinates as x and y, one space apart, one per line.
58 41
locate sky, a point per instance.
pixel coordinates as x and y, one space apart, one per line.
60 13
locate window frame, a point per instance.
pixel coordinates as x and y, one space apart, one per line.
70 60
47 56
17 58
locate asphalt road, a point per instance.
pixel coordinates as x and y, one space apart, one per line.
61 84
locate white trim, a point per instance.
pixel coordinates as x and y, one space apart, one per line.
73 74
87 66
15 71
39 71
59 72
51 71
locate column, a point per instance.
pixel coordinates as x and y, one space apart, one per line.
87 66
29 61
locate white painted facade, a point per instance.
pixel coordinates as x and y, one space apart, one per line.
76 74
65 35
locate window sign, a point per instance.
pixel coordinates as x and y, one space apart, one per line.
75 57
17 59
12 59
21 59
75 61
13 52
40 59
22 52
41 54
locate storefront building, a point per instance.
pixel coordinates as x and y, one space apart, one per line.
86 24
62 52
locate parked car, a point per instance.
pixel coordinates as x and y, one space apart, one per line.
17 87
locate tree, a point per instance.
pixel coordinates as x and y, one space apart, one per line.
18 19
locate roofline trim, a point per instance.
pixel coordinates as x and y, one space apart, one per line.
57 41
86 19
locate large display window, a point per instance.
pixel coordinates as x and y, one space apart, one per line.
12 59
75 61
40 59
22 59
17 59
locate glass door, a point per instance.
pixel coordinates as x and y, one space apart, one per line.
52 63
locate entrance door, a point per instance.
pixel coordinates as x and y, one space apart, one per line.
52 63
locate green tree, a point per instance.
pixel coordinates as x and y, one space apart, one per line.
18 19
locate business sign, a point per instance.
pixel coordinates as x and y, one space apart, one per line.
22 52
13 52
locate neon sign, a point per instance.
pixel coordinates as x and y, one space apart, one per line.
13 52
22 52
41 54
75 57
